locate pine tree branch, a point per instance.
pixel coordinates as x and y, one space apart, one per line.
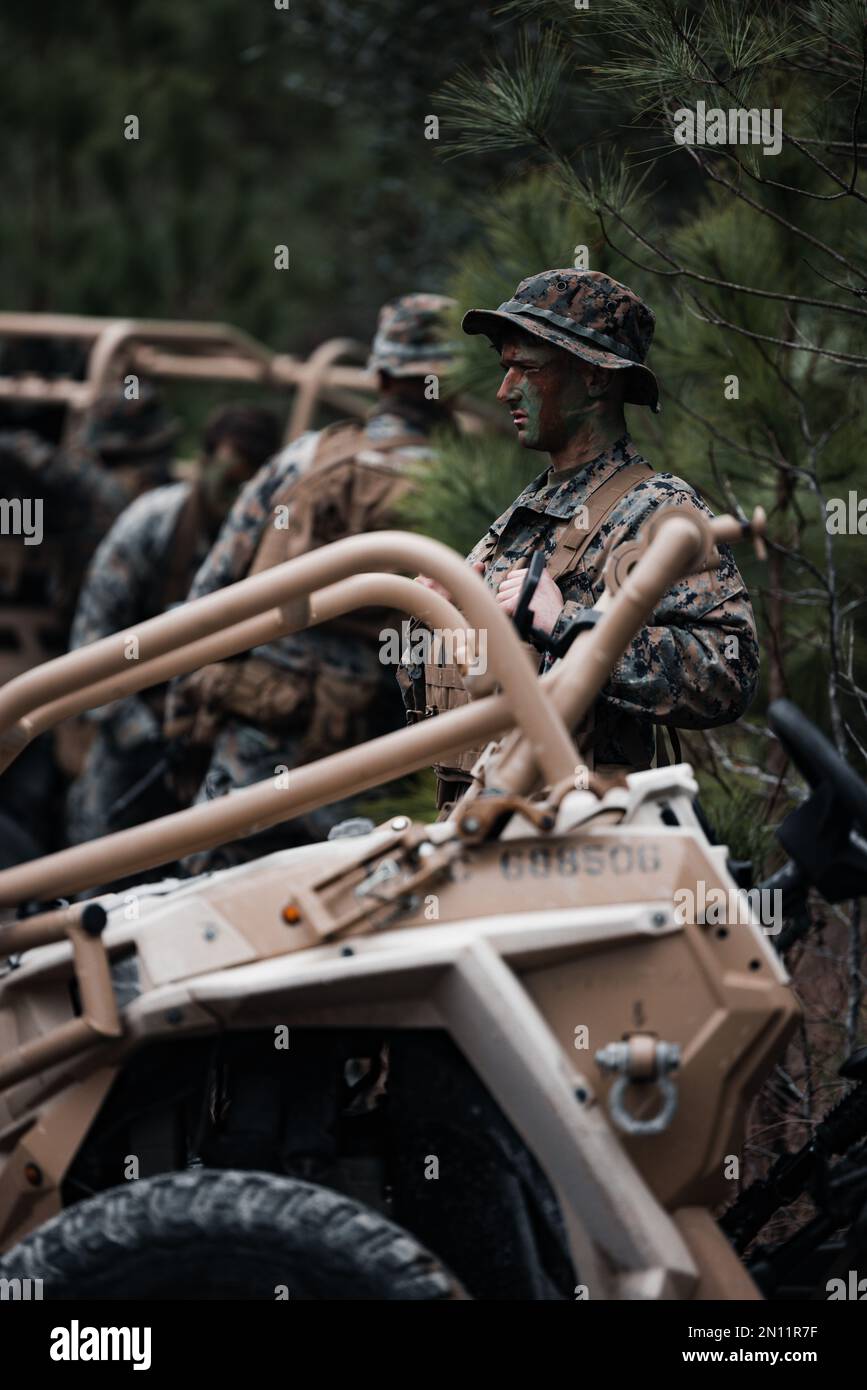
809 23
714 321
776 216
713 280
789 139
853 360
857 112
847 190
713 429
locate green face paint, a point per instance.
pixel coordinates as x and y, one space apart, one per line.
546 394
222 477
530 402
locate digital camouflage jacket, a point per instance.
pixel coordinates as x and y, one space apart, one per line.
128 582
694 666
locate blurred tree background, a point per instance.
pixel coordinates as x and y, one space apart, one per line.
258 126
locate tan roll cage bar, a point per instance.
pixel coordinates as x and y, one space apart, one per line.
313 588
191 351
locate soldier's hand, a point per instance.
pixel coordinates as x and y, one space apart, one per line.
439 588
432 584
547 603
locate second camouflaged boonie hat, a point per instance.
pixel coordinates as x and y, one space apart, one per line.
410 337
122 430
588 314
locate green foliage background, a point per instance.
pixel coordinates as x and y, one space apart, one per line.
258 127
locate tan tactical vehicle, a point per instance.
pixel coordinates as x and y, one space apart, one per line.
493 1056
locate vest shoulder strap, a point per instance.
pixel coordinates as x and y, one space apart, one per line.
185 537
572 542
336 444
347 440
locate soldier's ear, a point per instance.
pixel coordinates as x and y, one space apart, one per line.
603 382
597 381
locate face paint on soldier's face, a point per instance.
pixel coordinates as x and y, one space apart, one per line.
559 403
223 475
547 394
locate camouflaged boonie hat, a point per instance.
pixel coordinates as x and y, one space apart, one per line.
410 337
588 314
124 430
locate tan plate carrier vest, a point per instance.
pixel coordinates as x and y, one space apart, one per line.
350 487
444 685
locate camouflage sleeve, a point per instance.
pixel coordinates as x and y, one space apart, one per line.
82 474
119 591
76 473
232 553
230 558
129 561
696 665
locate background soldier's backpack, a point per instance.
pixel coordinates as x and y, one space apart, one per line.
350 487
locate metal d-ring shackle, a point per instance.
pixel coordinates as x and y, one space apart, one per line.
618 1057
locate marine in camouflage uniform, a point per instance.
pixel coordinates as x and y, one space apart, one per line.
312 692
574 344
133 435
118 447
143 566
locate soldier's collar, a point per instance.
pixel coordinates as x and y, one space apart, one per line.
561 498
621 449
403 420
562 486
526 498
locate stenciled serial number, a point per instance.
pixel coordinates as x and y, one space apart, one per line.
572 861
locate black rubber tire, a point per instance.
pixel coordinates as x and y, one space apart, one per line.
224 1234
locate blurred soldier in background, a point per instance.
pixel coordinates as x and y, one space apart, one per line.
327 688
76 490
120 448
134 438
143 566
